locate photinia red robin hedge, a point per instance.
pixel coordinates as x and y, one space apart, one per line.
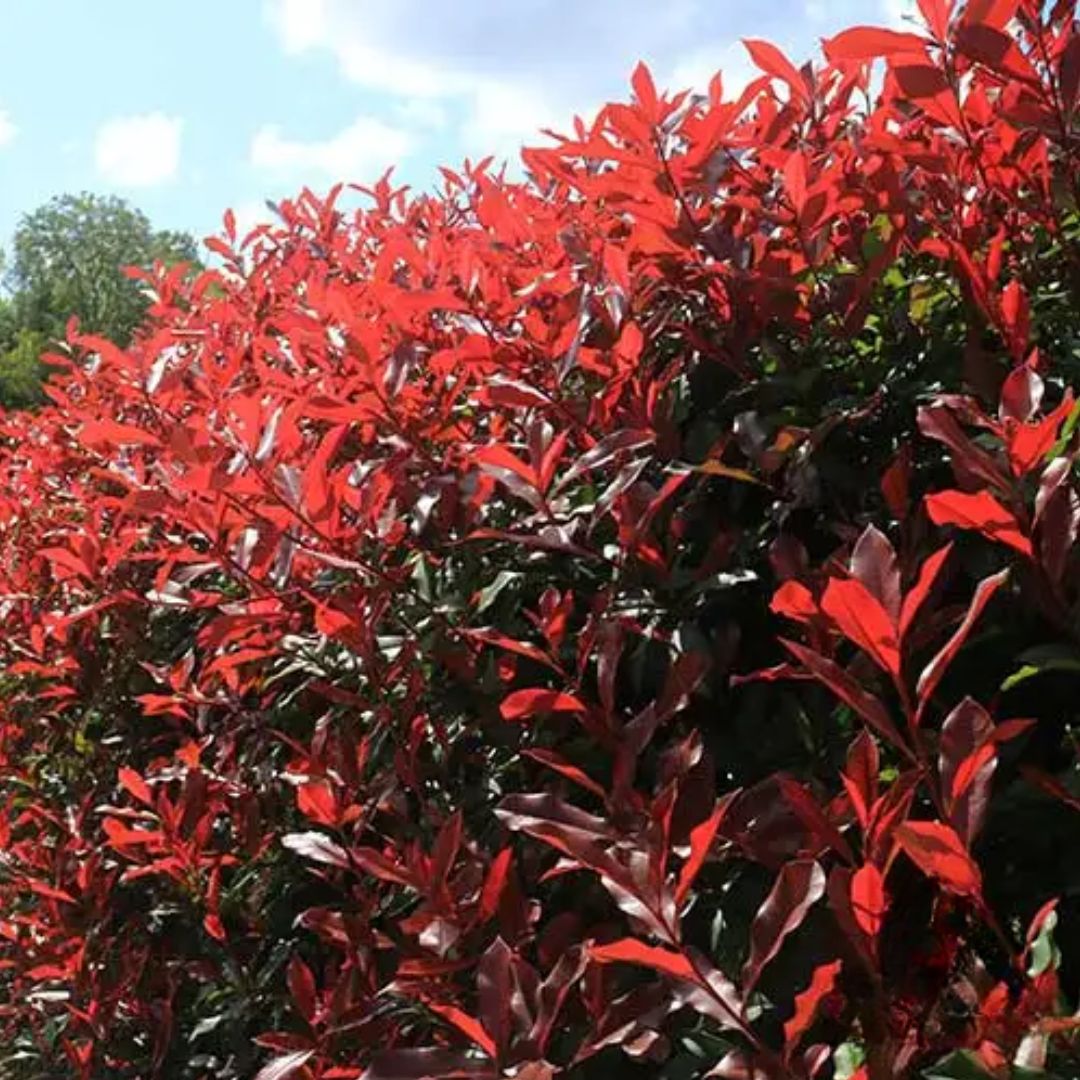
624 620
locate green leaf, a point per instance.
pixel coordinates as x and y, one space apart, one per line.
1041 659
847 1060
490 593
876 237
960 1065
1044 953
924 295
1066 433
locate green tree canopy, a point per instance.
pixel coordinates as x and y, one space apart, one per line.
68 258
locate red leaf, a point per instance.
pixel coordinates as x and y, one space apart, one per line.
466 1024
522 704
868 42
701 839
1015 309
806 1004
890 810
121 836
998 51
508 393
773 62
916 597
936 14
1029 444
66 560
317 802
812 816
282 1067
935 670
970 767
511 472
1021 394
317 484
795 179
632 951
135 785
445 850
302 988
495 882
584 838
499 458
105 434
332 622
979 511
495 994
213 925
501 641
868 900
873 562
798 886
937 422
918 81
316 847
1036 924
896 483
793 600
605 451
571 772
967 760
868 707
938 852
863 620
50 893
861 775
1050 785
1069 72
380 866
645 92
963 730
993 13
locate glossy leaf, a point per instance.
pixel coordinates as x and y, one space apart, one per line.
862 619
868 43
980 512
798 886
935 670
937 851
806 1004
869 901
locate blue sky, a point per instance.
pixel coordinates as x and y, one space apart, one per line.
186 109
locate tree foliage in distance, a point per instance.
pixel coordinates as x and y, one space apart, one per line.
69 259
625 622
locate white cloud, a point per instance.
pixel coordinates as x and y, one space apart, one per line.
424 113
300 23
500 72
138 151
8 130
357 153
899 13
501 120
694 70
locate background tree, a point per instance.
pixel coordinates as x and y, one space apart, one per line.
68 258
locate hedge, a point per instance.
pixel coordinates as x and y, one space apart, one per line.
623 619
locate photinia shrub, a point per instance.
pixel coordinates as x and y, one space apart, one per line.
627 619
